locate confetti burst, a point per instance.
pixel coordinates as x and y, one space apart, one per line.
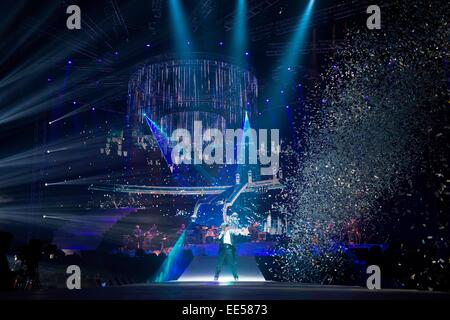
367 133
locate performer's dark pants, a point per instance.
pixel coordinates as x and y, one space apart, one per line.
226 254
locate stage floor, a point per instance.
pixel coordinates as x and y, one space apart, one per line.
224 291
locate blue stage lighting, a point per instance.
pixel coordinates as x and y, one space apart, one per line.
180 26
239 41
289 60
292 51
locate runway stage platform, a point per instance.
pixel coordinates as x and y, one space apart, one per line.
267 290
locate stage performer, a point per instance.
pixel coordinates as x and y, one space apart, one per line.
227 251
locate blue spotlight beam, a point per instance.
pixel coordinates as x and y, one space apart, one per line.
291 55
160 136
171 267
71 113
239 40
288 61
245 127
183 40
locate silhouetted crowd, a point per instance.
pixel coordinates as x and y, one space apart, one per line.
24 272
40 264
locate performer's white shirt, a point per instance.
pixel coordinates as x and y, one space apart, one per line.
226 237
